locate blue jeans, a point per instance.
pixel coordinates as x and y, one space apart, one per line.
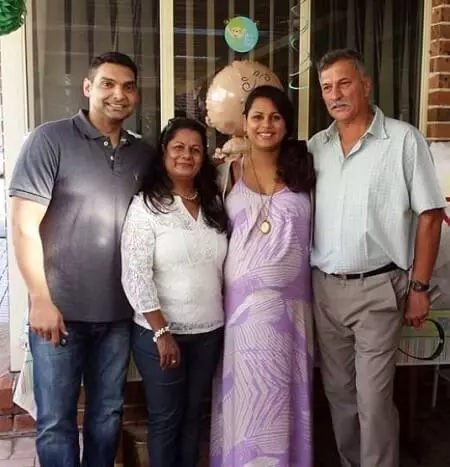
175 397
98 355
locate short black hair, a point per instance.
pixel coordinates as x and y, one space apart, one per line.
333 56
112 57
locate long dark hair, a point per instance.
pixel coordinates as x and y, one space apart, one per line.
295 165
157 186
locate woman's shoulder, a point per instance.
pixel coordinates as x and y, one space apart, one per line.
138 200
140 206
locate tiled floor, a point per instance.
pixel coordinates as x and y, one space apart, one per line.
18 452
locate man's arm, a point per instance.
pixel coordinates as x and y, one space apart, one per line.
45 318
428 203
428 237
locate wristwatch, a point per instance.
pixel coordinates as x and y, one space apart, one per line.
418 286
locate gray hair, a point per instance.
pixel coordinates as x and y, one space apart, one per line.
333 56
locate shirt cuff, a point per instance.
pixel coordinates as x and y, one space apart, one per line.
29 196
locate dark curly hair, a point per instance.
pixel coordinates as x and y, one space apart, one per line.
295 165
157 185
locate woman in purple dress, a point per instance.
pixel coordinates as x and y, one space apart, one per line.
263 395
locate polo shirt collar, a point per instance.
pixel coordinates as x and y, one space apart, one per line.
82 122
376 128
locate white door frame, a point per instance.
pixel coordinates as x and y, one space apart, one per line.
15 127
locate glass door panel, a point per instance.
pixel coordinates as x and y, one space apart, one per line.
67 34
201 50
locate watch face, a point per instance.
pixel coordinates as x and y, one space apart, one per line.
419 286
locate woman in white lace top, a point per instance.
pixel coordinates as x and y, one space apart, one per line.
173 247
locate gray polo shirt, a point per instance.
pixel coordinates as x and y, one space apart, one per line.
69 166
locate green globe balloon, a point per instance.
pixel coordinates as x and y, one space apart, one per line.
12 15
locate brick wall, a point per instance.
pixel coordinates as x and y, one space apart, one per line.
438 128
14 419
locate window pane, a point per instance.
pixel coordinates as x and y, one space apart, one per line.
67 34
201 50
389 35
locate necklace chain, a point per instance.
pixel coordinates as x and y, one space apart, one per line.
265 225
193 197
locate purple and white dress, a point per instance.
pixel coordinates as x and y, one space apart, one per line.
262 398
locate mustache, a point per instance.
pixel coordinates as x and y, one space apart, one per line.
340 103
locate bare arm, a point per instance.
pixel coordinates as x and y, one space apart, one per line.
137 251
428 236
26 218
45 318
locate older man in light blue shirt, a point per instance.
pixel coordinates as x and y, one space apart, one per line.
378 215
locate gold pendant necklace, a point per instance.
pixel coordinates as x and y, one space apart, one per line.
265 227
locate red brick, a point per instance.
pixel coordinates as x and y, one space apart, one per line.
440 14
18 410
439 81
439 130
6 423
6 393
440 31
134 413
440 47
134 393
439 98
439 64
439 114
440 2
80 417
24 423
81 399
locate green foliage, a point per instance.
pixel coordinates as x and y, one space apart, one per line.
12 15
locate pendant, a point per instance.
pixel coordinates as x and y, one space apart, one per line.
265 227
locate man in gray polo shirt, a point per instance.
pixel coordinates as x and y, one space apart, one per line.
378 214
71 188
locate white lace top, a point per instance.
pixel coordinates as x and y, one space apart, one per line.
173 263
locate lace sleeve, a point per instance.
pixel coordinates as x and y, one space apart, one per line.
138 243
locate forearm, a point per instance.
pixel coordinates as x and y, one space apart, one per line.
155 319
30 259
428 236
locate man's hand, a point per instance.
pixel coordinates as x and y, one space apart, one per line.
417 308
46 320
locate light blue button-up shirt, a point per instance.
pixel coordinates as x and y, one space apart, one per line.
367 203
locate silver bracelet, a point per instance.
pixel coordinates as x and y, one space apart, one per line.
160 332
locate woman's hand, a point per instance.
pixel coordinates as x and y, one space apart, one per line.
169 352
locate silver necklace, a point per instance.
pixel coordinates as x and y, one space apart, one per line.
188 198
265 226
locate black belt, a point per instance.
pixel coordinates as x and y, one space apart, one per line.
388 268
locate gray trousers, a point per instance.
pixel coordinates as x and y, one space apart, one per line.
358 325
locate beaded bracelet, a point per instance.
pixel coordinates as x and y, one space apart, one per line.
160 332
